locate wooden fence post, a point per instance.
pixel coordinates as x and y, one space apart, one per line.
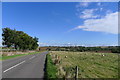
76 74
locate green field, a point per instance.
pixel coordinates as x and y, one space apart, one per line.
90 65
16 55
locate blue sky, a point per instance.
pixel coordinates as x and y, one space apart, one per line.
65 23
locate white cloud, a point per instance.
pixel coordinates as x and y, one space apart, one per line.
99 3
88 13
108 12
43 44
101 9
108 24
83 4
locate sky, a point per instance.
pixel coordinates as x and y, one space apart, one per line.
0 24
64 23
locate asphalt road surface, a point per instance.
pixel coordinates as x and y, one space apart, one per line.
29 66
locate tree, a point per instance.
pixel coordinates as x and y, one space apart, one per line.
7 37
34 43
19 40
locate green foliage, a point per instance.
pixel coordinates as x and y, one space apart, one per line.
113 49
116 49
51 69
18 40
8 36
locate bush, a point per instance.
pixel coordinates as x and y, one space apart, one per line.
116 50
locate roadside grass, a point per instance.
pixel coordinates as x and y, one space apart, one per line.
91 65
50 69
16 55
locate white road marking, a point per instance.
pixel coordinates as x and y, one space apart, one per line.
32 57
13 66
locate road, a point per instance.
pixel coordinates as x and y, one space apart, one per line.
30 66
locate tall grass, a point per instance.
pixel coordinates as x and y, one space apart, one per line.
91 65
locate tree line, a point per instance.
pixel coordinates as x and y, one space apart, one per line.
18 39
113 49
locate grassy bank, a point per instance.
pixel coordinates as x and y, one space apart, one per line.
51 70
90 65
16 55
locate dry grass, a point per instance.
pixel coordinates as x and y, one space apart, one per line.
91 65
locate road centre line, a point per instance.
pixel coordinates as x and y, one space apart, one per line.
32 57
13 66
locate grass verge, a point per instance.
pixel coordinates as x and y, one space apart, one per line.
17 55
51 70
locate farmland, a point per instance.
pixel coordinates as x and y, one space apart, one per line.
90 65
